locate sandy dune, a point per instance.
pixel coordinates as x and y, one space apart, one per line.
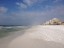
40 37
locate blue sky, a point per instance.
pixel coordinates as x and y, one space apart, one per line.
28 12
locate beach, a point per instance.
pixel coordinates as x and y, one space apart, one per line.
40 37
35 37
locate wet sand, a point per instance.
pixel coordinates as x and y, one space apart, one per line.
5 41
40 37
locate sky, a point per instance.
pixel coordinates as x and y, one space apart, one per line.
30 12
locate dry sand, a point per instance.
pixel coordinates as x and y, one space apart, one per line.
40 37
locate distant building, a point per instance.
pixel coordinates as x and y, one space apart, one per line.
62 23
54 21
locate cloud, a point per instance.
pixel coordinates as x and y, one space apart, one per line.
21 5
57 0
3 10
25 17
30 2
55 10
27 3
40 4
36 17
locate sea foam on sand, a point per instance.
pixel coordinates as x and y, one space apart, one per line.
40 37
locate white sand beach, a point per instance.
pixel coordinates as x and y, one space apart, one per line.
40 37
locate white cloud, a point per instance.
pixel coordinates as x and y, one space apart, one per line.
27 3
21 5
54 11
3 10
56 1
30 2
32 17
